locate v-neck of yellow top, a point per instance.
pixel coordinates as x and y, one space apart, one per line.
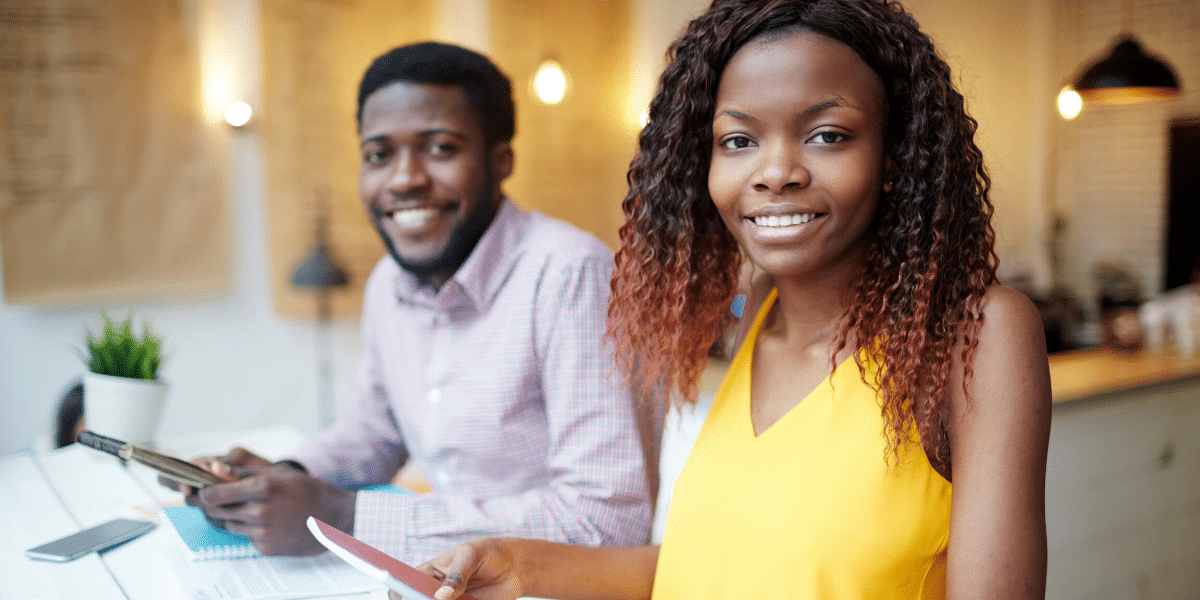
752 338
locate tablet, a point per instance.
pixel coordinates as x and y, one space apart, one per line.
399 577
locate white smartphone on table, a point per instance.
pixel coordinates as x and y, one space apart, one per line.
92 539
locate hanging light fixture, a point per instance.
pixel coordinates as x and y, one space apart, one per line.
1070 103
321 273
1128 75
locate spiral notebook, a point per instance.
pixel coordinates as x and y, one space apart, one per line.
201 540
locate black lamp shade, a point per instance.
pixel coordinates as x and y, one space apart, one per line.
1128 76
319 271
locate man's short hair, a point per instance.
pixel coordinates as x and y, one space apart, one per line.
488 91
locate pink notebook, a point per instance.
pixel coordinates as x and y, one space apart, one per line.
399 577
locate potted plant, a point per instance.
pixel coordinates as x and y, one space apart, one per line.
122 395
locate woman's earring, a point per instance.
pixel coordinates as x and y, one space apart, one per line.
887 186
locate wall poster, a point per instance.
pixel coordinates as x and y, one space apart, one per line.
109 175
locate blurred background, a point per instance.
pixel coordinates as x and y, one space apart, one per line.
192 164
213 254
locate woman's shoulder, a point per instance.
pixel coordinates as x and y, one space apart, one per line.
1007 312
1010 343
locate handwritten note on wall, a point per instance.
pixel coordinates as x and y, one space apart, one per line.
109 178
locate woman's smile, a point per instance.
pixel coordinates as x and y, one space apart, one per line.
783 227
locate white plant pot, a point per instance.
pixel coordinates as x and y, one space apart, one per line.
123 408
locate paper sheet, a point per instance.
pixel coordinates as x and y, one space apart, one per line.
270 577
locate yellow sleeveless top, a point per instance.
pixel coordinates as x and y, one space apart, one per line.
811 509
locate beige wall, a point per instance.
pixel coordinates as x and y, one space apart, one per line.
997 51
571 157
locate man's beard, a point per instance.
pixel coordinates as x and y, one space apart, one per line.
461 242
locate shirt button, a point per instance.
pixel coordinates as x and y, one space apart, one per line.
434 396
443 477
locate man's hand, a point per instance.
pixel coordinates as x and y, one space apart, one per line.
221 466
269 502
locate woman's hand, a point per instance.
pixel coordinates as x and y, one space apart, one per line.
486 567
509 568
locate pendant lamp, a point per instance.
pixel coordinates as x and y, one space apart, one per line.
1128 75
321 273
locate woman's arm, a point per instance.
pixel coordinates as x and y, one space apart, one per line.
999 435
508 568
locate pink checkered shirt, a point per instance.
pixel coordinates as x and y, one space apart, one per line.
499 388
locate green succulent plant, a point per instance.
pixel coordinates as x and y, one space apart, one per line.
118 352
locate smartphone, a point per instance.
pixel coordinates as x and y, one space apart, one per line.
170 467
93 539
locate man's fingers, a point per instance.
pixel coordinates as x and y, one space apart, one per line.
175 485
249 488
238 456
255 533
220 468
241 457
245 514
226 495
243 472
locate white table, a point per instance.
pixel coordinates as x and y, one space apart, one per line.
46 495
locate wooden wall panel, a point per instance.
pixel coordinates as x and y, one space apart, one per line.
571 158
315 52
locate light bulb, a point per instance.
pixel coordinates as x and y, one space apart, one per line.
238 113
550 83
1069 103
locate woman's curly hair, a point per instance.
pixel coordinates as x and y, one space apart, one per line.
930 253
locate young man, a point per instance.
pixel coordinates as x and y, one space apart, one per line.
485 362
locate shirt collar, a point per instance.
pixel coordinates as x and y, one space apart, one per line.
484 271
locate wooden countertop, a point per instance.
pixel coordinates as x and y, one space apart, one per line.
1084 373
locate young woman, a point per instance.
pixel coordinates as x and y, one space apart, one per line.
882 432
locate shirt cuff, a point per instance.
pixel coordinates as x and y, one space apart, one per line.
381 520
